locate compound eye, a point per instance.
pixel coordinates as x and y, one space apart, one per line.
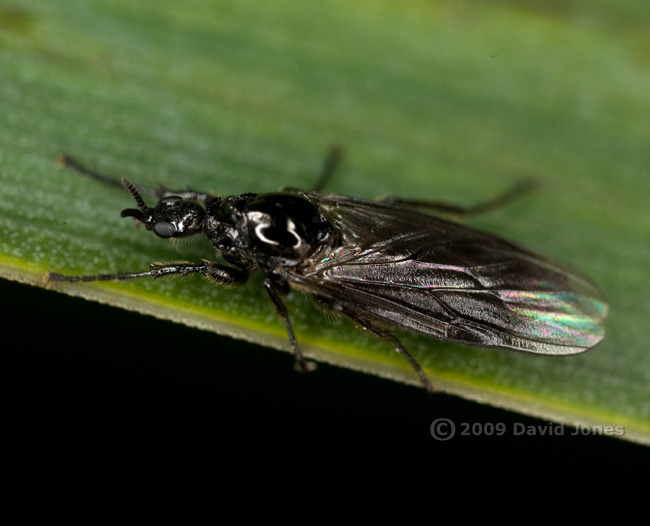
164 229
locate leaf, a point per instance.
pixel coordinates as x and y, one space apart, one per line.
453 101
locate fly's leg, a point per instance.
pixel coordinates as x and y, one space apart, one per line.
332 162
516 191
392 339
273 289
67 161
330 165
160 193
221 274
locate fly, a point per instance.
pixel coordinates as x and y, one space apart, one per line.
385 264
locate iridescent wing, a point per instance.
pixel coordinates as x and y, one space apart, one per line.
414 271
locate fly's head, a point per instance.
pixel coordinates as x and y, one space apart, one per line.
172 217
268 230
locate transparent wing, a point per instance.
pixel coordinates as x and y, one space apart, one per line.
421 273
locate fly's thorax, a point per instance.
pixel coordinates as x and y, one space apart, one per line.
270 230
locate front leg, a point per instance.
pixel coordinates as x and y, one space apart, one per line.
160 193
221 274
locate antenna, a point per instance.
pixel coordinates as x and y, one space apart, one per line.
144 214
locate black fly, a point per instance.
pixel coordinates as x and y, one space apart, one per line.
384 264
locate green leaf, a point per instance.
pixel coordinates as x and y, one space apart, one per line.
456 101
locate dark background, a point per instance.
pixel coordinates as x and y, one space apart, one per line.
83 376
